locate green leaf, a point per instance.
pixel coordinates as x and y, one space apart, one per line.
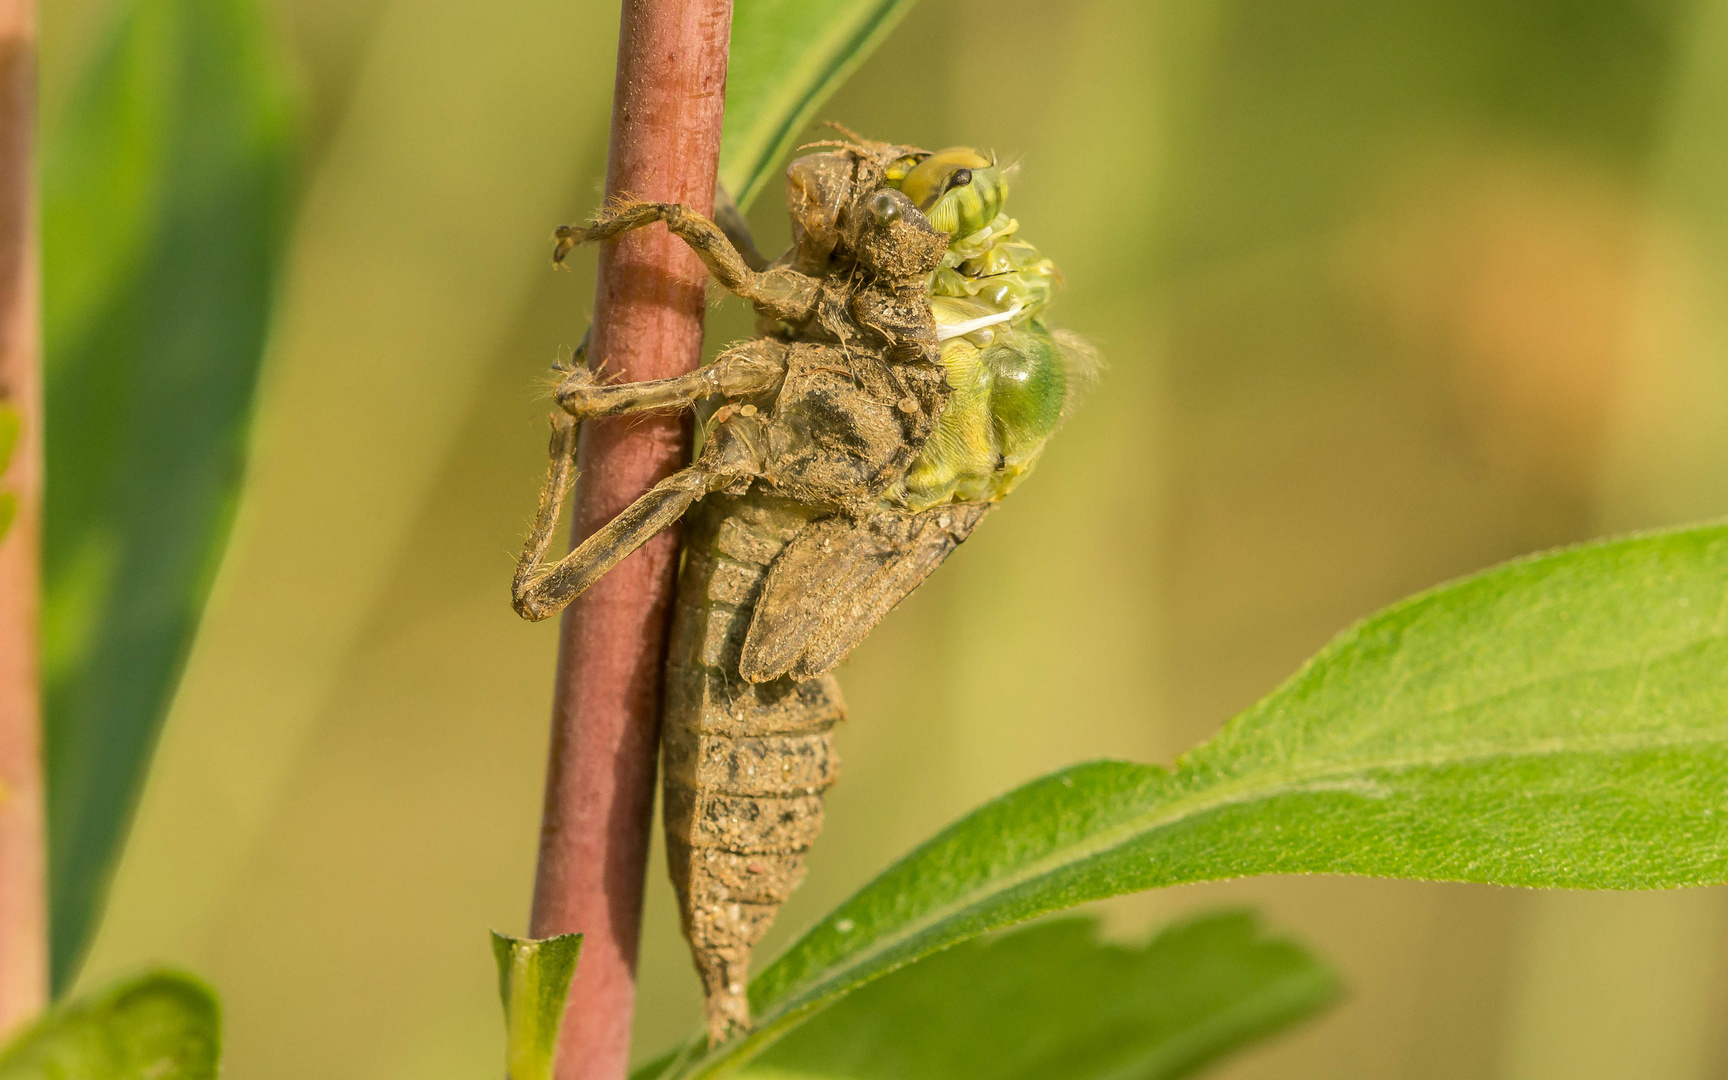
1558 721
158 1026
534 981
165 191
1052 1003
787 57
11 424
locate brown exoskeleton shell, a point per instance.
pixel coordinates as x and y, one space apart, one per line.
791 553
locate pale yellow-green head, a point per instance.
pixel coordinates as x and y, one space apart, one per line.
959 189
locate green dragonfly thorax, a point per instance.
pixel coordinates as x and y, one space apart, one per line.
1012 379
994 266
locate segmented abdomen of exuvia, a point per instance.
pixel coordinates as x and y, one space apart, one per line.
744 764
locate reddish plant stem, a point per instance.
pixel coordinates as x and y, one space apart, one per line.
666 112
23 837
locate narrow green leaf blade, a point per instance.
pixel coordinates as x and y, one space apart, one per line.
165 189
1558 721
160 1026
787 57
1052 1003
534 981
11 426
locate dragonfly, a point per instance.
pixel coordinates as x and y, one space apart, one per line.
908 383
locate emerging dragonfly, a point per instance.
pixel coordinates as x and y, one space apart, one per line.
908 382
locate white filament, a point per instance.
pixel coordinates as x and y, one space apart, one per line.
961 329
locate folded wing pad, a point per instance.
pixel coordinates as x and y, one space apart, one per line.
838 578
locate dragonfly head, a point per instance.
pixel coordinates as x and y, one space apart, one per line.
958 189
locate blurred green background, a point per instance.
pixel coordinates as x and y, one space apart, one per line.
1390 290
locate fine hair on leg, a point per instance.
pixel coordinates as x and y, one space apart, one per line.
779 292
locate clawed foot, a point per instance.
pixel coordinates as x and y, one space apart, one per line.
621 217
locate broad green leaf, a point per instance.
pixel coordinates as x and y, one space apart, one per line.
787 57
158 1026
534 981
164 196
1558 721
1052 1003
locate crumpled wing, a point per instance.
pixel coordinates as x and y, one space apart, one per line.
837 578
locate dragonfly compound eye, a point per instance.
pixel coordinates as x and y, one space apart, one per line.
958 189
885 208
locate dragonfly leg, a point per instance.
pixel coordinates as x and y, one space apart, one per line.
747 369
559 477
540 590
732 455
779 292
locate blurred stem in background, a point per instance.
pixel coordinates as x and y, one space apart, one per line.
23 856
667 107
